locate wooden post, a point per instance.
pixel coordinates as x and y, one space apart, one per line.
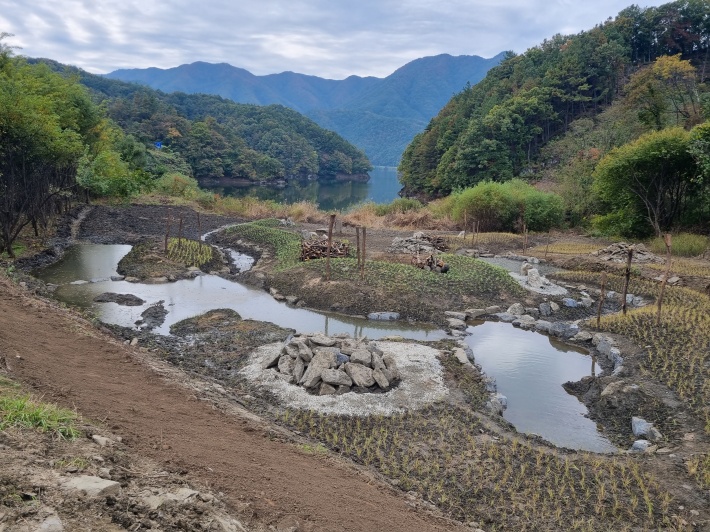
357 244
601 299
667 241
465 225
167 231
199 230
525 237
180 233
627 278
547 246
364 252
330 246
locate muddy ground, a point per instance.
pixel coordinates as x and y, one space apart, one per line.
181 410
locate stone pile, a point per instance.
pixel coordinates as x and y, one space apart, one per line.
419 242
325 365
619 253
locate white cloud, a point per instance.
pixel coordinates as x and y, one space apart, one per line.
319 37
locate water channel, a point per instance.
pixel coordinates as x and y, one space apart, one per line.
529 367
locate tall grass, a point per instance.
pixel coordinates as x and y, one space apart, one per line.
17 410
684 245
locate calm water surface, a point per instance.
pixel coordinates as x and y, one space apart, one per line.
191 297
530 369
383 187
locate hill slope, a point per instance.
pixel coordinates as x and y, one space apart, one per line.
379 116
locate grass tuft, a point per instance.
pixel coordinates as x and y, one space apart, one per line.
22 411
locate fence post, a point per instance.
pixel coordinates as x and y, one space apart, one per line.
667 241
357 245
364 253
167 231
627 278
330 246
601 299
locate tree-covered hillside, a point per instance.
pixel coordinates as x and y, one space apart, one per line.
497 129
378 115
219 138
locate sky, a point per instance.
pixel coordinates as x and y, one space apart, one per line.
327 38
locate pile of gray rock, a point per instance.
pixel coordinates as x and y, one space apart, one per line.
619 253
419 242
326 365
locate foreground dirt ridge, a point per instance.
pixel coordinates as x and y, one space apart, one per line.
57 355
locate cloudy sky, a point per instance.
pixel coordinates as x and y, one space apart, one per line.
327 38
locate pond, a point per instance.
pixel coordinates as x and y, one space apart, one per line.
191 297
383 187
530 369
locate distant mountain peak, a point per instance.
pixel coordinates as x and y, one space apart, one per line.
379 115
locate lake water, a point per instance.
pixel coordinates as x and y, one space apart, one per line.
383 187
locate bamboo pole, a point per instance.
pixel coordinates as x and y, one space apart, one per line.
330 245
667 241
627 278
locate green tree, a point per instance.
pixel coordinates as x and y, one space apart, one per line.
654 177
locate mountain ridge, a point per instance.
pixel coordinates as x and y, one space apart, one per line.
379 115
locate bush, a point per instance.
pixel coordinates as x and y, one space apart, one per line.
501 206
398 206
178 185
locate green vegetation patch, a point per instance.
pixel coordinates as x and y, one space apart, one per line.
285 244
467 276
18 410
447 455
684 245
190 252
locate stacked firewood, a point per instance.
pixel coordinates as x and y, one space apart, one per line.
318 249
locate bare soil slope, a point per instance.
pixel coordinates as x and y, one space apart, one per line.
61 356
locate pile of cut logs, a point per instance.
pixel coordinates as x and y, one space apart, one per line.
318 249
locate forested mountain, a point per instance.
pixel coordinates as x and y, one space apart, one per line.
498 129
212 137
379 115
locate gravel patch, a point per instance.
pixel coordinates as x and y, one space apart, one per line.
420 369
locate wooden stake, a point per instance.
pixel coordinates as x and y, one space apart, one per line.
167 231
357 244
667 241
627 278
547 246
199 230
364 252
180 234
525 238
330 245
601 299
465 225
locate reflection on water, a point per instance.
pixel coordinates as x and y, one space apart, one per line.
191 297
383 187
530 369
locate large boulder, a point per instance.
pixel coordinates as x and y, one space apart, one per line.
360 375
323 359
336 377
361 356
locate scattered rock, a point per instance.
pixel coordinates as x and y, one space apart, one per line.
383 316
92 486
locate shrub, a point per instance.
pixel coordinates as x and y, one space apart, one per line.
398 206
499 206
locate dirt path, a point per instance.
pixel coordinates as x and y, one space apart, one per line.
59 356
